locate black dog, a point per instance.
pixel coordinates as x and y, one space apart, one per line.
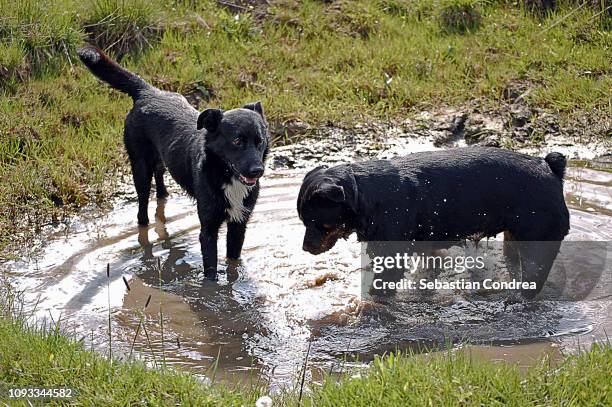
463 193
218 166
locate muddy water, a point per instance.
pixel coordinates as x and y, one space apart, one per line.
260 316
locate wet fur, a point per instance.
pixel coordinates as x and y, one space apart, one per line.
163 131
441 196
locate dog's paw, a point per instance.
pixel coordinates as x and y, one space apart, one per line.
211 274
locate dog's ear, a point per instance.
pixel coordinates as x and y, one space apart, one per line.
209 119
330 191
352 193
256 107
315 171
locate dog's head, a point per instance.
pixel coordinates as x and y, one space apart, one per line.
327 205
239 137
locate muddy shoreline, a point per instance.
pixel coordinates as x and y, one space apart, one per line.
514 126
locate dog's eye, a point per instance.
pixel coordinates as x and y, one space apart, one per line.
328 226
237 141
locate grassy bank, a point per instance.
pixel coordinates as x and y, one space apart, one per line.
311 61
45 358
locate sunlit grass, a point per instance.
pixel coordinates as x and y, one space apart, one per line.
454 379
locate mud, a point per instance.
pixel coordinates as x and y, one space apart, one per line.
514 126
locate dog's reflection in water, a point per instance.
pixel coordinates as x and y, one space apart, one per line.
160 216
172 267
159 227
156 269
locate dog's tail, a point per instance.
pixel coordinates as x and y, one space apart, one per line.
557 163
111 72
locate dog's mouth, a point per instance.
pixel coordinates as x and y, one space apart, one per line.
327 241
249 182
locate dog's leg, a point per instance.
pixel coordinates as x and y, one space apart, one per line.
143 175
208 243
511 255
536 261
160 187
538 244
235 239
210 221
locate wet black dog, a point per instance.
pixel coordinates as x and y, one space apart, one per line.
463 193
216 156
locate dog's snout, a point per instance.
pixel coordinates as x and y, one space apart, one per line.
310 248
255 171
312 241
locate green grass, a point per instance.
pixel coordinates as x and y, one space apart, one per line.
35 39
456 380
344 62
46 358
460 18
123 27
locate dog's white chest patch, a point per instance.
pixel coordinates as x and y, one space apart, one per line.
235 192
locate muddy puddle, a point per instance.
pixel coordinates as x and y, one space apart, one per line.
258 319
